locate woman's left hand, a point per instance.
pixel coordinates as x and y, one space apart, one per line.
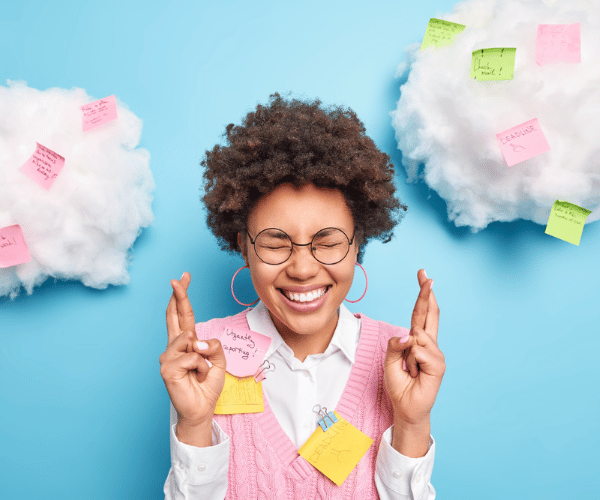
414 365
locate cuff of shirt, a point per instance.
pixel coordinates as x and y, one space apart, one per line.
201 465
401 474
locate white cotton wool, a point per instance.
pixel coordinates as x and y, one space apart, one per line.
84 226
446 123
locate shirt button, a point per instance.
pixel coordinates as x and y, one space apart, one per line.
202 467
307 426
397 474
306 374
419 478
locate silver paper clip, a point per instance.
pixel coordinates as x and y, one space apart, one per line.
327 419
260 374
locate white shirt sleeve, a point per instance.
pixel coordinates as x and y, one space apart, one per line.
198 472
402 478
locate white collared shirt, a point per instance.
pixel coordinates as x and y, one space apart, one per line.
292 390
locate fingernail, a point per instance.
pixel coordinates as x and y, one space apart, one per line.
431 287
403 340
208 363
202 345
425 273
404 365
182 276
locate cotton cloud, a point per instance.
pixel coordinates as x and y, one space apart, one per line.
446 122
83 227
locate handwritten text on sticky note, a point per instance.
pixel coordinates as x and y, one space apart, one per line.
522 142
99 112
13 249
336 451
43 166
240 395
558 43
493 64
244 350
440 33
566 221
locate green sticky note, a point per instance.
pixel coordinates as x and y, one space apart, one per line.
493 64
566 221
440 33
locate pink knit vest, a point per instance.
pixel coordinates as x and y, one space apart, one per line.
265 464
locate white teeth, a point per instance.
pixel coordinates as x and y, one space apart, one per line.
305 297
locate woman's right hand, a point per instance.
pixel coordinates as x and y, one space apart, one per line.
194 374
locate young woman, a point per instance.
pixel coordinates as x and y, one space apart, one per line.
299 190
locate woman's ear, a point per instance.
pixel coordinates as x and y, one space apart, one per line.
243 247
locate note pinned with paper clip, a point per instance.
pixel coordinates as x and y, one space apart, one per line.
99 112
336 451
558 43
43 166
440 33
13 249
566 221
244 350
493 64
240 395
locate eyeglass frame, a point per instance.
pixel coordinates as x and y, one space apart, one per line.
350 241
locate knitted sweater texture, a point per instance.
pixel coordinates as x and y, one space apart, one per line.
264 464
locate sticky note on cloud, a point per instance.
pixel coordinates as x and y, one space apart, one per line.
99 112
13 249
522 142
493 64
440 33
558 43
43 166
244 350
566 221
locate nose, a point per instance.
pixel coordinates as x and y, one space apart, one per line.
301 264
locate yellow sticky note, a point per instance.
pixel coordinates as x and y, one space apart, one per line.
240 395
440 33
336 452
566 221
493 64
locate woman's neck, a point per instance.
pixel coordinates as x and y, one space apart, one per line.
305 344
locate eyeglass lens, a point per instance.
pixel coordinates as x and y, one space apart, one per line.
329 246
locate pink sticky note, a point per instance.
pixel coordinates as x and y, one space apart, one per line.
245 350
13 249
522 142
44 166
99 112
558 43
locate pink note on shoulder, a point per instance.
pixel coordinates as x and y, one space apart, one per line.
558 43
13 249
244 350
44 166
522 142
99 112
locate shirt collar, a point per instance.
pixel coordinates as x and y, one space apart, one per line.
345 337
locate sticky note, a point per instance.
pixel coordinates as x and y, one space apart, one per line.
99 112
522 142
13 249
566 221
493 64
336 451
244 350
558 43
240 395
440 33
43 166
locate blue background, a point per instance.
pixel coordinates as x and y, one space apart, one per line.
84 412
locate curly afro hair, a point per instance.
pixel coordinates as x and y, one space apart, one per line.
299 142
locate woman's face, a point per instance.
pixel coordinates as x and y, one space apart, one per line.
301 213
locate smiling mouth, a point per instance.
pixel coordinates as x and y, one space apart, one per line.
305 297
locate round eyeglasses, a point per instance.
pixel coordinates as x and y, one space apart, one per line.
329 246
